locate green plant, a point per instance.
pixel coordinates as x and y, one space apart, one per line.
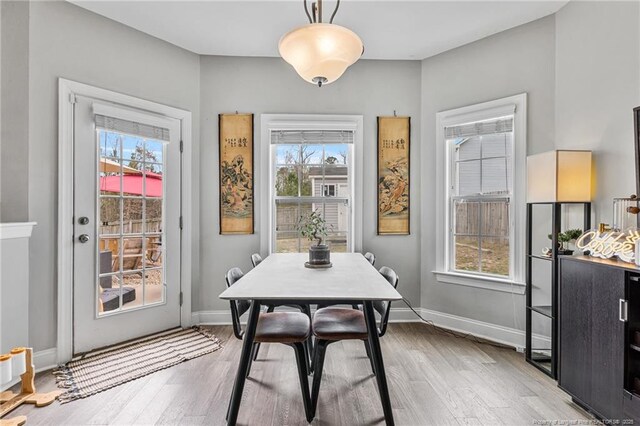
567 236
313 227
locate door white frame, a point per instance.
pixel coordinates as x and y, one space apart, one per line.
67 90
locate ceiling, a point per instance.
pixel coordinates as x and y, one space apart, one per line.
389 29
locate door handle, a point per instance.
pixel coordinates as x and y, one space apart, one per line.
83 220
83 238
622 310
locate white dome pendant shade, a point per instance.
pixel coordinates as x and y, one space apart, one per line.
320 52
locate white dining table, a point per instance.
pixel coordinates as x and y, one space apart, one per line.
283 279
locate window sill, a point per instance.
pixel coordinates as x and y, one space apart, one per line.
488 283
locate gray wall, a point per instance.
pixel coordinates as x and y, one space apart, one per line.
14 133
70 42
597 86
512 62
269 85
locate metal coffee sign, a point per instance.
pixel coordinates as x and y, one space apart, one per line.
609 244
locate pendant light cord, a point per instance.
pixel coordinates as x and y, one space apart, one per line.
334 12
319 12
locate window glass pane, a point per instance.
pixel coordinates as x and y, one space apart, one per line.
329 190
153 215
336 153
109 293
287 154
153 286
468 178
496 176
286 181
495 219
311 154
132 251
337 218
308 176
287 215
466 254
152 180
132 215
467 148
132 290
496 145
154 151
109 255
495 256
109 144
466 217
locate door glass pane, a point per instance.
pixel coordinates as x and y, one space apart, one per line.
130 250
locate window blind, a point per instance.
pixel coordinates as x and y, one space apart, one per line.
131 127
292 137
479 128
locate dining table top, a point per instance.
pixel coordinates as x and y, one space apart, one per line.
284 276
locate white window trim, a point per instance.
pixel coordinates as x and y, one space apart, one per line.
269 122
516 105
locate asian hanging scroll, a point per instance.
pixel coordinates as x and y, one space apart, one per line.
393 175
236 173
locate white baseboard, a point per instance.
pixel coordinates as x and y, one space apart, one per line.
42 360
492 332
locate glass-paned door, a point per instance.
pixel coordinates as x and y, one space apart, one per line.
127 234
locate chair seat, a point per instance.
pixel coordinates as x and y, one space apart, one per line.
282 327
339 324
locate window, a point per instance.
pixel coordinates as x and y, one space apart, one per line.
482 189
308 168
480 196
329 190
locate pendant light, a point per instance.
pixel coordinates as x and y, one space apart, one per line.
320 52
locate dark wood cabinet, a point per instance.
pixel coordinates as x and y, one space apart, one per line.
592 335
575 330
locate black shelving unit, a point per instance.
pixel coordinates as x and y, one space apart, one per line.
546 359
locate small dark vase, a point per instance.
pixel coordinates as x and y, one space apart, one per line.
319 254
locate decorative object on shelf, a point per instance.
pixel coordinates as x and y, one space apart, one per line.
559 176
19 363
236 173
625 213
603 227
611 243
393 175
547 251
314 227
565 238
320 52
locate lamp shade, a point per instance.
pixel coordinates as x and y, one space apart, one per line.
559 176
320 53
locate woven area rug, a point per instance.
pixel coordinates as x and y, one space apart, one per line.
100 370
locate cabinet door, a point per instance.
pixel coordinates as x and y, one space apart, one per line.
575 329
607 342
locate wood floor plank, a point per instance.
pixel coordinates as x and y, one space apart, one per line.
434 379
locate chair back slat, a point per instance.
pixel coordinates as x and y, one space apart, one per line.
370 257
256 259
384 308
238 307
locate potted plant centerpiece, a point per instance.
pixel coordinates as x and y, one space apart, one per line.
314 227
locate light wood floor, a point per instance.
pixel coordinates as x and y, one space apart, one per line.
434 379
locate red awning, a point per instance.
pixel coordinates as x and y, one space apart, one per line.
132 184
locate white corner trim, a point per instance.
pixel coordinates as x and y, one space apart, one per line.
487 283
11 230
42 360
491 332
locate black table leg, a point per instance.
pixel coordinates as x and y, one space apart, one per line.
376 355
245 358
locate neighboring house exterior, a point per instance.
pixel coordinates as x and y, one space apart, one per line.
335 185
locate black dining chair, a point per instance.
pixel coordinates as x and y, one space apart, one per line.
370 257
256 259
333 324
289 328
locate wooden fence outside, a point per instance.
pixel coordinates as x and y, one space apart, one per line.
490 217
131 227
